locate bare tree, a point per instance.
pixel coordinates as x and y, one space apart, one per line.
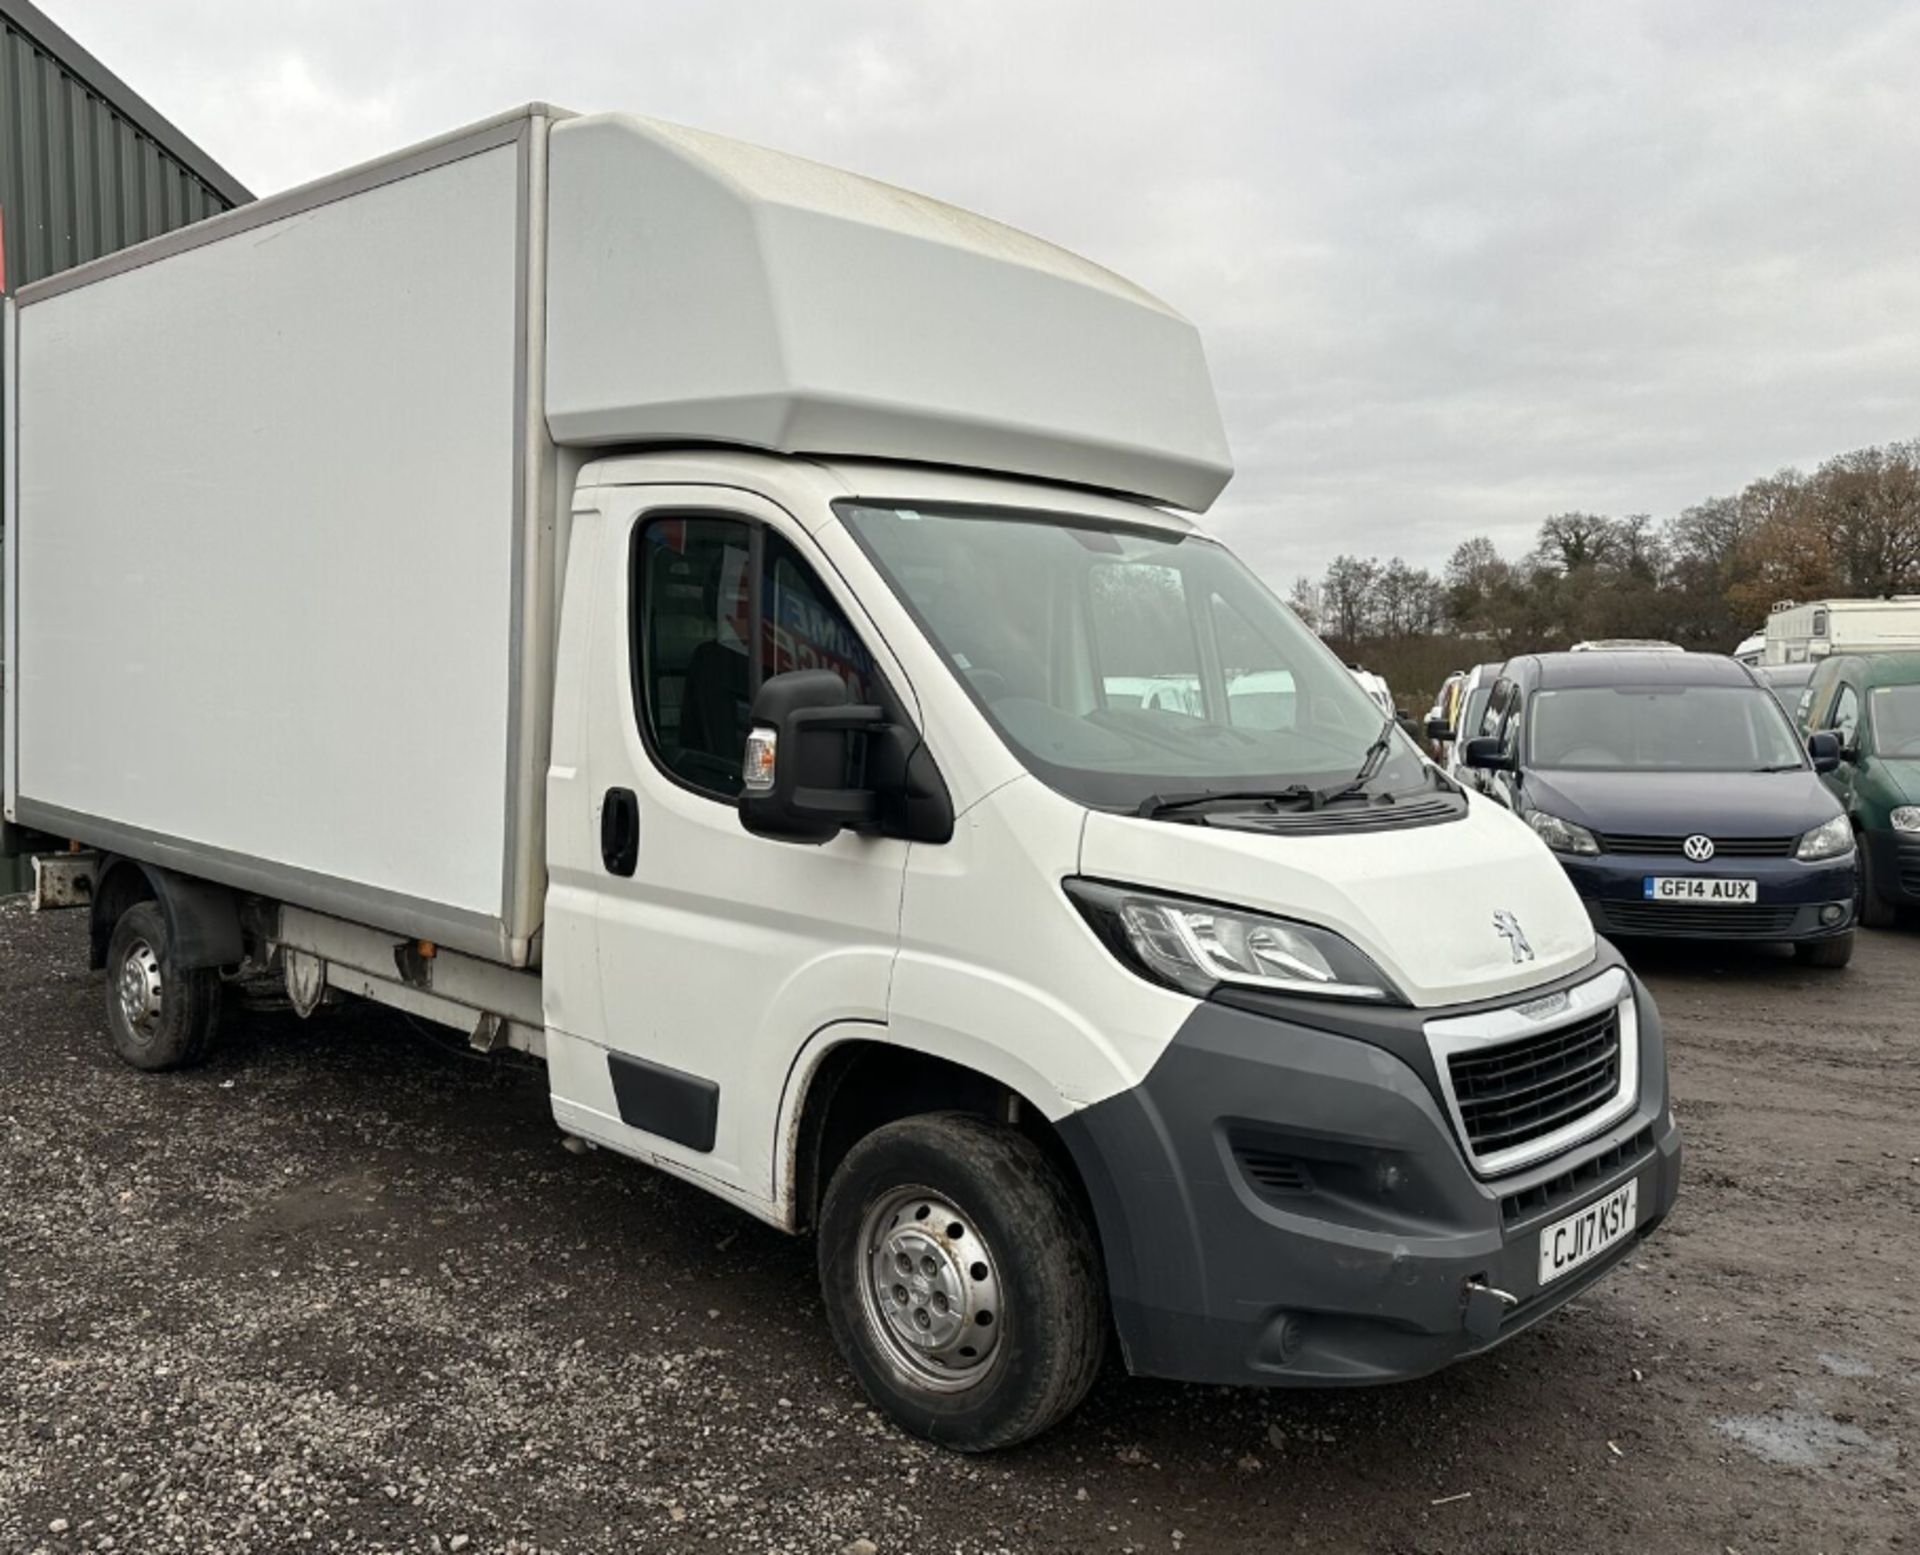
1869 503
1305 600
1570 541
1477 580
1350 597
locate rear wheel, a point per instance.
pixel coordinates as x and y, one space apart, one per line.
962 1281
159 1016
1871 908
1834 952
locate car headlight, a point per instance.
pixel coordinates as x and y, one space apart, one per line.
1562 836
1906 818
1196 947
1828 840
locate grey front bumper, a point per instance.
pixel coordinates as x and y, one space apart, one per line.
1285 1205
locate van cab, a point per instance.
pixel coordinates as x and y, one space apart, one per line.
1870 705
1316 1130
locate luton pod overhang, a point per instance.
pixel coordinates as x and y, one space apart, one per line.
701 289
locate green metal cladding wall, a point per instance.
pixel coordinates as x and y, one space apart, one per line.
84 164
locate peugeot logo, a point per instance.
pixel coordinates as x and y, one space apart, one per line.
1698 848
1508 927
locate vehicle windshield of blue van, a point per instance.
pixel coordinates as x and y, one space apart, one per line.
1129 667
1660 729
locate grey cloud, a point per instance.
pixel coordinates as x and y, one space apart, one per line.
1458 265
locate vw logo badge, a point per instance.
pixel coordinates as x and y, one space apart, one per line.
1698 848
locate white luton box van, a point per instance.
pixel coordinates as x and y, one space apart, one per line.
680 610
1806 634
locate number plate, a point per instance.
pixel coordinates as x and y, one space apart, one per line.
1699 888
1585 1234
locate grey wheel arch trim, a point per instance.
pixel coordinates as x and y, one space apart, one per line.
203 919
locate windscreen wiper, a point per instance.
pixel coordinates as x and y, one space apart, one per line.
1369 765
1155 806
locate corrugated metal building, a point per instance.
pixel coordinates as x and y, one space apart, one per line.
86 167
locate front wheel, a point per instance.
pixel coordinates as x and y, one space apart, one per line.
1835 952
159 1016
962 1281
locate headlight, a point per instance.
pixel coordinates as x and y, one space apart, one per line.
1562 836
1907 818
1196 947
1828 840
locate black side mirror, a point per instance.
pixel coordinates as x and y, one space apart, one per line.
1486 753
817 763
1825 750
1439 729
805 773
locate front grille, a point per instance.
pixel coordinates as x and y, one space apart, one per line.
1558 1192
1651 846
1720 921
1523 1090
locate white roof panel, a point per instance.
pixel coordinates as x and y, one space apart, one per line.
704 290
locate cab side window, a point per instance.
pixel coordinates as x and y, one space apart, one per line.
1845 721
1496 711
699 654
1816 702
802 628
1503 717
692 647
1510 728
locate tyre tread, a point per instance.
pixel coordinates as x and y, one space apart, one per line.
1045 1219
190 1007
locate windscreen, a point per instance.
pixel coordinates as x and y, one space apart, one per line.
1660 729
1896 720
1120 664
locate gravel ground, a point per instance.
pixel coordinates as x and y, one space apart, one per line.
343 1289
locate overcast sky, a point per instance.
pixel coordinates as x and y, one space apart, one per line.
1457 266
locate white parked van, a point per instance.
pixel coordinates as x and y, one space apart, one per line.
1805 634
714 622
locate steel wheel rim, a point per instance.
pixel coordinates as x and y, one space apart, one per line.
140 990
930 1287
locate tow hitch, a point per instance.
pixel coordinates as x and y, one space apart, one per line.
1486 1307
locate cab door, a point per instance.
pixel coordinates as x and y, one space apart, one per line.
719 952
1843 722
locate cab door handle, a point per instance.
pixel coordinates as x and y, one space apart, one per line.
620 831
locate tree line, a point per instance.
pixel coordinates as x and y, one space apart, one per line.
1704 578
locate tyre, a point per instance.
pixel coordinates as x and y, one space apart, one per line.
159 1016
1834 952
1870 907
962 1281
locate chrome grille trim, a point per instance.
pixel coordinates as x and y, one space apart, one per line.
1535 1017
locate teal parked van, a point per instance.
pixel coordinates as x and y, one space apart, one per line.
1871 702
